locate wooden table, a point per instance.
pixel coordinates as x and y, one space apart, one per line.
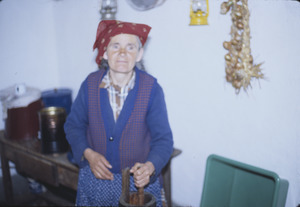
52 169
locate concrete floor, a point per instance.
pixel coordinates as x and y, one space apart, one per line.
23 196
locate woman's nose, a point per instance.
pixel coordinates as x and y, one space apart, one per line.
122 51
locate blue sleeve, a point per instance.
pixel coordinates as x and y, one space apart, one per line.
76 126
161 146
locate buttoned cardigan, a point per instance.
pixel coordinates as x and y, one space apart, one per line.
77 127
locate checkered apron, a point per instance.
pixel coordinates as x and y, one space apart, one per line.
96 192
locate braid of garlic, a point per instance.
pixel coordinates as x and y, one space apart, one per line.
239 61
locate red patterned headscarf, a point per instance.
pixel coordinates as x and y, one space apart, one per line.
110 28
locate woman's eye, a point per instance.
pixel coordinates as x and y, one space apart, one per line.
130 47
115 46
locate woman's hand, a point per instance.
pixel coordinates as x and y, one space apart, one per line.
99 165
142 173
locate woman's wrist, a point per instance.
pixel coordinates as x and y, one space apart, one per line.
150 167
87 153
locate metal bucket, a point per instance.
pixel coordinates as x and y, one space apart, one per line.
23 122
61 97
53 138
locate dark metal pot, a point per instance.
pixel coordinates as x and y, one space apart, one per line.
53 138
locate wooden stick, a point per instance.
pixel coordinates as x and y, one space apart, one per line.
125 184
141 196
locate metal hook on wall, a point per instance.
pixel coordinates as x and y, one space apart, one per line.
108 9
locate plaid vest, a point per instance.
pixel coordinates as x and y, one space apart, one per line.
128 140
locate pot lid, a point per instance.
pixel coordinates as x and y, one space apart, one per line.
19 95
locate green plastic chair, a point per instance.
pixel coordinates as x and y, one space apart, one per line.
229 183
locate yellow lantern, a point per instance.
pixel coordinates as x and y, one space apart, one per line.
199 12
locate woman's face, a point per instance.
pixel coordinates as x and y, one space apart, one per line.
123 52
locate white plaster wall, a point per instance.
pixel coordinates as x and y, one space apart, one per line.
48 44
28 44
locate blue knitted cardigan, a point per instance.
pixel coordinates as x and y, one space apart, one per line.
141 133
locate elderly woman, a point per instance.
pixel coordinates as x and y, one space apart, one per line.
118 120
